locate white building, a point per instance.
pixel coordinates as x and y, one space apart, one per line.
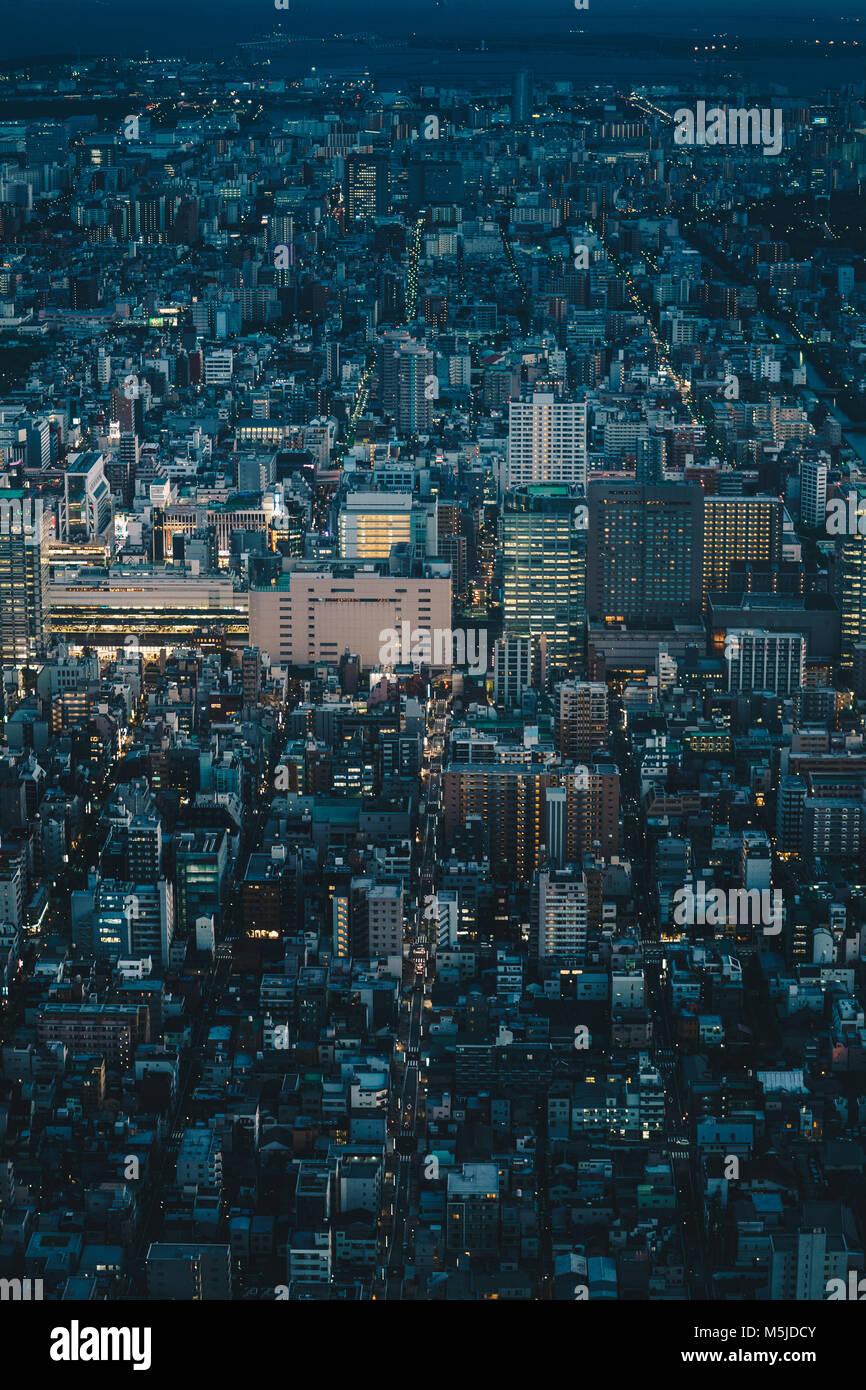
562 914
759 660
813 492
546 441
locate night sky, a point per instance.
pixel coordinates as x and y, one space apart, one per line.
106 25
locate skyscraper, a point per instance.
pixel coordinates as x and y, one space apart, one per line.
408 383
644 552
416 377
24 536
544 571
546 441
367 189
813 492
852 588
521 98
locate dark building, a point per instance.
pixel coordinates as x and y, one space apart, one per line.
434 178
521 98
644 552
367 188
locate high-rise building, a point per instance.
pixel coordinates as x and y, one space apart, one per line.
416 386
24 537
559 912
367 188
332 361
851 590
134 919
85 508
519 664
581 719
521 98
832 827
592 810
150 216
251 674
144 847
511 799
84 292
544 571
644 553
813 492
546 441
409 382
789 813
739 528
454 551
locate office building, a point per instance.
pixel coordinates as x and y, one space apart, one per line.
370 524
544 572
519 664
134 919
201 858
86 509
317 612
367 185
435 179
24 590
644 552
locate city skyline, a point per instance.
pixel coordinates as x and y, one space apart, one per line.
432 670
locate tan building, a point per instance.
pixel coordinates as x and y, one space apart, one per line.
317 612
